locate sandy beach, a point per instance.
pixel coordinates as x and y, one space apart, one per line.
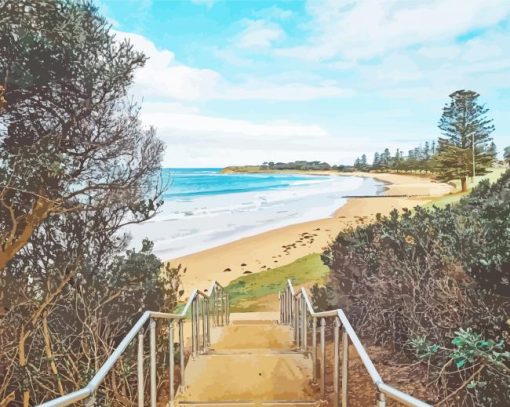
284 245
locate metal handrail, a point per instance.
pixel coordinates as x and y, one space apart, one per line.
221 317
295 307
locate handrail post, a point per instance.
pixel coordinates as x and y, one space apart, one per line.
280 300
181 351
289 307
171 359
285 308
228 309
286 299
336 368
323 359
204 327
152 326
198 325
314 348
222 308
193 328
296 316
305 326
216 308
208 323
225 308
139 366
345 368
382 400
298 321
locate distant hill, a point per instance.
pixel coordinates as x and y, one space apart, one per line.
290 166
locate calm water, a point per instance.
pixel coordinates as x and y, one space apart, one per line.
204 208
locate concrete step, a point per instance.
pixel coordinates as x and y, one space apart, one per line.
265 403
254 317
248 378
253 336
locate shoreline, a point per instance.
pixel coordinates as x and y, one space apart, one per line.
281 246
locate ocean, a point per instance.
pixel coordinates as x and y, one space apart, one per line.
204 208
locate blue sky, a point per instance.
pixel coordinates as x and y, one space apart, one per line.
234 82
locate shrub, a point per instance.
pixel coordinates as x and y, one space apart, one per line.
430 281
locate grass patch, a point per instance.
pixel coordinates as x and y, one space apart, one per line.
455 197
254 292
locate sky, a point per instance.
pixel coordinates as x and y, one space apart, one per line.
234 82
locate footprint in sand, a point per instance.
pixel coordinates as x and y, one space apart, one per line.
227 270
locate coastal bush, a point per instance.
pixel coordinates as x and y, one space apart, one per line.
427 282
76 166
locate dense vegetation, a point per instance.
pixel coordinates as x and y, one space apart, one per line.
297 165
434 284
465 149
418 159
76 165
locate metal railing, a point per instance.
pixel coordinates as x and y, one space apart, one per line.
202 308
297 311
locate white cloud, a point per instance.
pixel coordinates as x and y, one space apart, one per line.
163 76
369 28
225 127
195 139
258 34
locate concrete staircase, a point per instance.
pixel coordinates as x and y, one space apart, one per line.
252 361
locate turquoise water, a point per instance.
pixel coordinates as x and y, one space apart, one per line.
193 182
204 208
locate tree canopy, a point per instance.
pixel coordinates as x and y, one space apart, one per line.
76 165
465 149
70 138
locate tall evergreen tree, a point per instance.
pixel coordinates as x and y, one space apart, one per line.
506 155
426 151
377 161
357 163
493 150
364 163
464 149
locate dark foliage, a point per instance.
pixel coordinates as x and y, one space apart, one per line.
76 165
296 165
426 282
466 143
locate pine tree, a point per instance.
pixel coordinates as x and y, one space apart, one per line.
398 159
506 155
364 163
493 151
463 122
357 163
377 161
385 158
426 151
